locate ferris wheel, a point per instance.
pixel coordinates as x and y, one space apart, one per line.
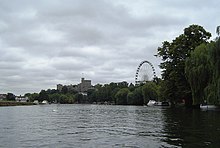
145 72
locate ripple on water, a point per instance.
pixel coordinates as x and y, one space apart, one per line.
105 126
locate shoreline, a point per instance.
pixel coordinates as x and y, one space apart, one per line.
14 103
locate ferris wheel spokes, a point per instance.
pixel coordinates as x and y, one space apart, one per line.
145 72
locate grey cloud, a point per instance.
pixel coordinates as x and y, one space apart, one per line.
45 42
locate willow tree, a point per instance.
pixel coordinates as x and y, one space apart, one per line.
213 90
203 73
198 69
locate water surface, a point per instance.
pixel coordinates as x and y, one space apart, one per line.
107 126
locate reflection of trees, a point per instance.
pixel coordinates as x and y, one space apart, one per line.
191 128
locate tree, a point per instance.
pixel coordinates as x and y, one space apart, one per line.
130 98
10 97
131 87
203 73
32 97
64 90
121 96
123 84
135 97
138 96
150 92
80 98
91 93
199 72
43 96
55 97
218 30
213 89
173 55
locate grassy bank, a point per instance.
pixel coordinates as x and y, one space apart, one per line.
13 103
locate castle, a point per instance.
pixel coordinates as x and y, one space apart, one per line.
82 87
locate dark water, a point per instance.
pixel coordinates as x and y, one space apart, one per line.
107 126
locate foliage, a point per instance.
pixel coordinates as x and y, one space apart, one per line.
32 97
10 97
213 89
198 71
135 97
120 93
174 54
203 73
150 92
43 95
121 96
130 98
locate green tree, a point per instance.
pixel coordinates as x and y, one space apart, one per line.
150 92
138 96
213 89
80 98
91 93
135 97
10 97
130 98
199 72
64 90
173 55
121 96
63 99
203 73
55 97
43 95
123 84
131 87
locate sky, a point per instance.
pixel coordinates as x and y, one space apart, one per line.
48 42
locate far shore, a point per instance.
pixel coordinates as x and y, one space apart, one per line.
14 103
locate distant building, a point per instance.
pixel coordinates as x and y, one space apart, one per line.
3 96
59 87
21 99
82 87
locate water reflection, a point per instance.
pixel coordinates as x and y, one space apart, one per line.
192 128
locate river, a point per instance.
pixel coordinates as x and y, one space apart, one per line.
95 126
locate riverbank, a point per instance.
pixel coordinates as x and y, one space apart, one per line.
14 103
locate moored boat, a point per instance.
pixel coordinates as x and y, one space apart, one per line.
155 103
45 102
151 103
208 107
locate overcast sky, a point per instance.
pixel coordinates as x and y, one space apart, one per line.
47 42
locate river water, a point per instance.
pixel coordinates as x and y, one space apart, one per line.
107 126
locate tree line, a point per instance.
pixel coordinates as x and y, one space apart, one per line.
121 93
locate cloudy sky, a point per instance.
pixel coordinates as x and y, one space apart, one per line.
46 42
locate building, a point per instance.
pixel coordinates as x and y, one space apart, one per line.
21 99
82 87
59 87
3 96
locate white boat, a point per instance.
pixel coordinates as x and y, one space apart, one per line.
36 102
155 103
208 107
151 103
45 102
